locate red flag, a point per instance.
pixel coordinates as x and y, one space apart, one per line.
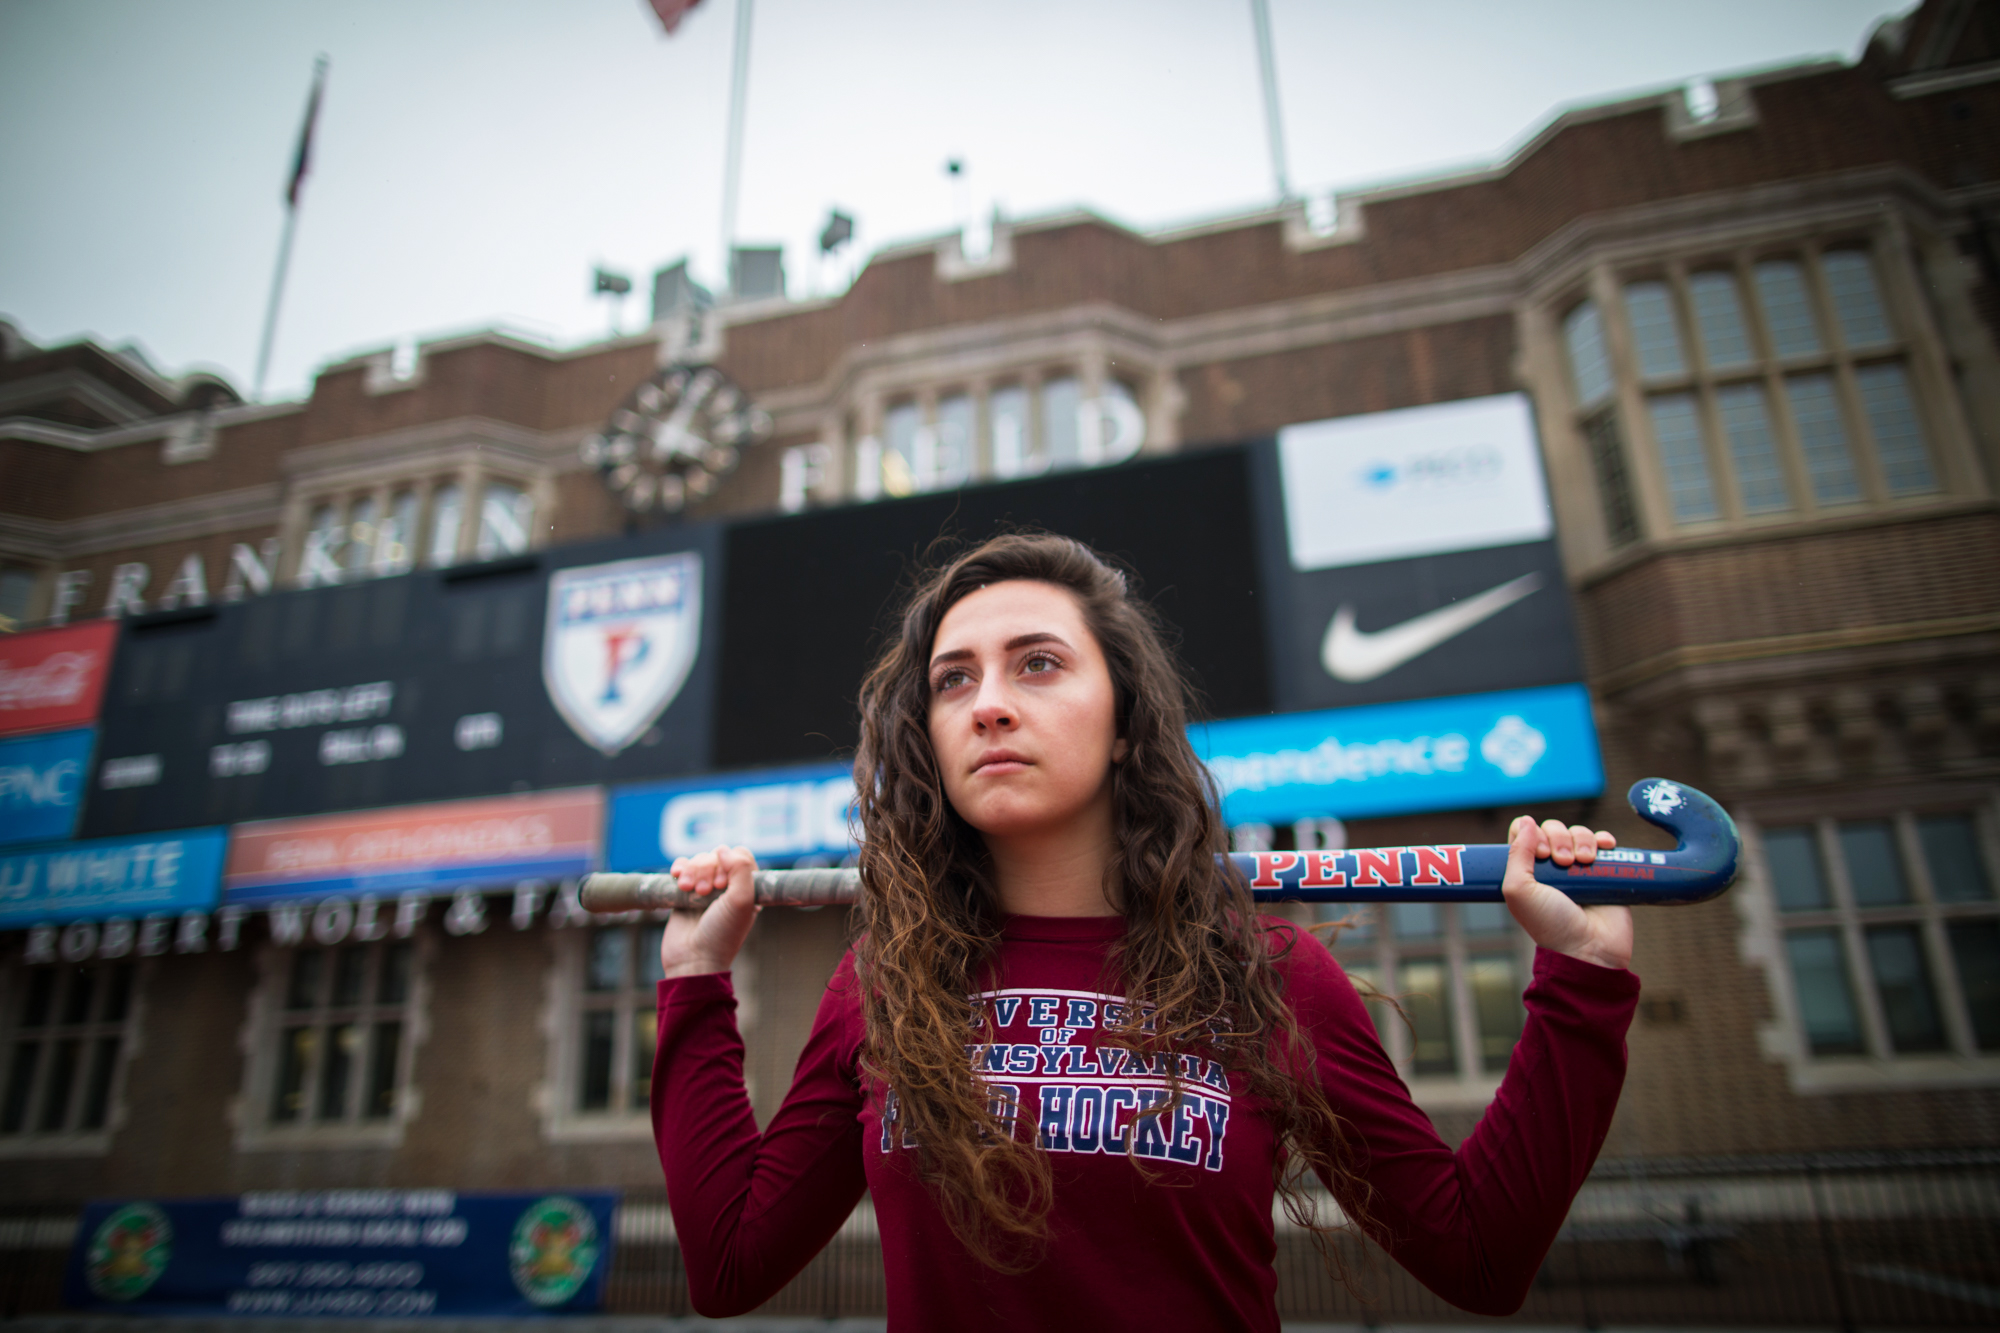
670 12
304 157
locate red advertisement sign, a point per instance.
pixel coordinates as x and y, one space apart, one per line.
452 844
54 677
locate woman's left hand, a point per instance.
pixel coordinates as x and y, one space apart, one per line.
1600 935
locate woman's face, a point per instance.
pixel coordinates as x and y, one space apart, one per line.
1023 717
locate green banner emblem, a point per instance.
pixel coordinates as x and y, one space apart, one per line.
129 1251
554 1250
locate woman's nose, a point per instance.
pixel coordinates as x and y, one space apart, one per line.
994 710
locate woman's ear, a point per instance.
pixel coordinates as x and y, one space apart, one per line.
1119 749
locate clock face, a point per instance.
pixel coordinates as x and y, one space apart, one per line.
674 438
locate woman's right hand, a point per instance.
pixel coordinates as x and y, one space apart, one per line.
699 942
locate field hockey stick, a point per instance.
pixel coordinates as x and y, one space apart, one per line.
1701 865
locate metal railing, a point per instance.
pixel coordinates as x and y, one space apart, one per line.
1844 1240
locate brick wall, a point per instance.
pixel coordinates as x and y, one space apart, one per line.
1886 573
1254 396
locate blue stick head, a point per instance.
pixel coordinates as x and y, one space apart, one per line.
1706 844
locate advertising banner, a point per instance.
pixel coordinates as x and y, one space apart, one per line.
1476 750
427 848
360 1253
785 816
1419 481
556 669
165 873
1411 554
41 784
54 678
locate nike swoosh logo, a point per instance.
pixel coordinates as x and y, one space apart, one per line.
1355 656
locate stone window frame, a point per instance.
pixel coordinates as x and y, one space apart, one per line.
72 1138
1471 1085
848 415
867 426
26 576
420 463
1761 945
632 1004
1612 439
263 1034
311 570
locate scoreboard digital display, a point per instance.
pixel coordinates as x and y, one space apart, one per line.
811 596
423 687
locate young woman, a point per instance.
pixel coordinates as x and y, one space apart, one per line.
1064 1055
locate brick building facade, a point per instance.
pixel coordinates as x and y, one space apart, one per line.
1759 340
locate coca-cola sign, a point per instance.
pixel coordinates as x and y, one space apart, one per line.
54 677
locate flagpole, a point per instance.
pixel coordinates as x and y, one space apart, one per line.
277 295
732 166
299 164
1267 66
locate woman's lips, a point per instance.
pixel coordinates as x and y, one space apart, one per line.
999 762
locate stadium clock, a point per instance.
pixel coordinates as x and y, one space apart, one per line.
674 438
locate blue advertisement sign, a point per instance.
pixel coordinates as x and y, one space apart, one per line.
358 1253
1503 748
112 877
41 784
784 815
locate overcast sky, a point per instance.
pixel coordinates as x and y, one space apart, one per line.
476 160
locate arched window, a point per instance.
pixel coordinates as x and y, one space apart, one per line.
361 537
396 540
447 509
1769 386
506 517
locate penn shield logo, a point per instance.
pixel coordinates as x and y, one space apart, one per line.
620 642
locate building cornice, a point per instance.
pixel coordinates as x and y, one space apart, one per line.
378 363
32 430
1365 312
967 352
1791 529
1688 656
1725 220
143 525
1944 80
69 382
362 460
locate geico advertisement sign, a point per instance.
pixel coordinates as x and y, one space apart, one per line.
783 816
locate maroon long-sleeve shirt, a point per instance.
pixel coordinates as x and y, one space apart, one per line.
1192 1250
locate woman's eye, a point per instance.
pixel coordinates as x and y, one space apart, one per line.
1039 664
947 680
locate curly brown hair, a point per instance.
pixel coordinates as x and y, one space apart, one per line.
1199 968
